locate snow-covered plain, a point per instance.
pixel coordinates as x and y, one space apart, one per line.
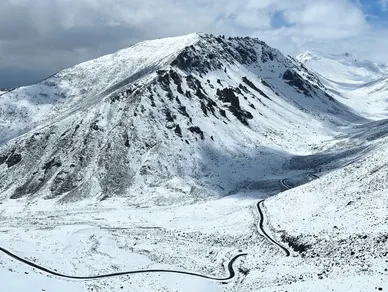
189 199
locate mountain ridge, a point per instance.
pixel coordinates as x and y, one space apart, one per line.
359 83
195 98
161 159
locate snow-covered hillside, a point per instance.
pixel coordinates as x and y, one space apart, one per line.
156 158
356 82
344 69
122 124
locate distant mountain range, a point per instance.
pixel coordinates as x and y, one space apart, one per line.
358 83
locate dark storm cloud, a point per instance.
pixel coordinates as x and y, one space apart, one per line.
40 37
15 23
14 77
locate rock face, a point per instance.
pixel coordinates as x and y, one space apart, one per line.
170 118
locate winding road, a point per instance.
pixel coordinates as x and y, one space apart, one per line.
231 270
285 184
313 176
261 227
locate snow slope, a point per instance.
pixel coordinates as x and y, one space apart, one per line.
163 168
84 84
343 221
356 82
122 124
345 69
21 282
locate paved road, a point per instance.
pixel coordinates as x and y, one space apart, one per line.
261 227
231 271
285 184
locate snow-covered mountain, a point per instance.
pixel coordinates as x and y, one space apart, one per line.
359 83
343 69
124 123
156 157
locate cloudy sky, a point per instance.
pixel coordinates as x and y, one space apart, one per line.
40 37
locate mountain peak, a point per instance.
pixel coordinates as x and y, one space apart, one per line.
126 121
307 56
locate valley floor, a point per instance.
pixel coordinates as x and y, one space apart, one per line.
202 237
327 207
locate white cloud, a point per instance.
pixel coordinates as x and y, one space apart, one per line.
55 34
384 4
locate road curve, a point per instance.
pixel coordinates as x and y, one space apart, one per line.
261 227
231 270
285 184
313 176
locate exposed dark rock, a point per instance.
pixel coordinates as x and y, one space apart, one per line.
266 55
94 126
164 80
188 94
288 75
210 106
13 159
179 88
295 244
178 131
30 187
126 139
197 130
169 116
63 183
170 95
265 83
254 87
228 95
296 81
183 111
200 94
175 77
3 158
55 162
243 88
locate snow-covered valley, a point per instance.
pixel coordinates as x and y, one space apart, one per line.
155 157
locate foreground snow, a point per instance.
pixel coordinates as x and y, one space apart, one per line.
110 178
354 284
17 280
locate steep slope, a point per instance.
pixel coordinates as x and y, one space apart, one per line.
341 231
356 82
85 84
345 69
169 118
